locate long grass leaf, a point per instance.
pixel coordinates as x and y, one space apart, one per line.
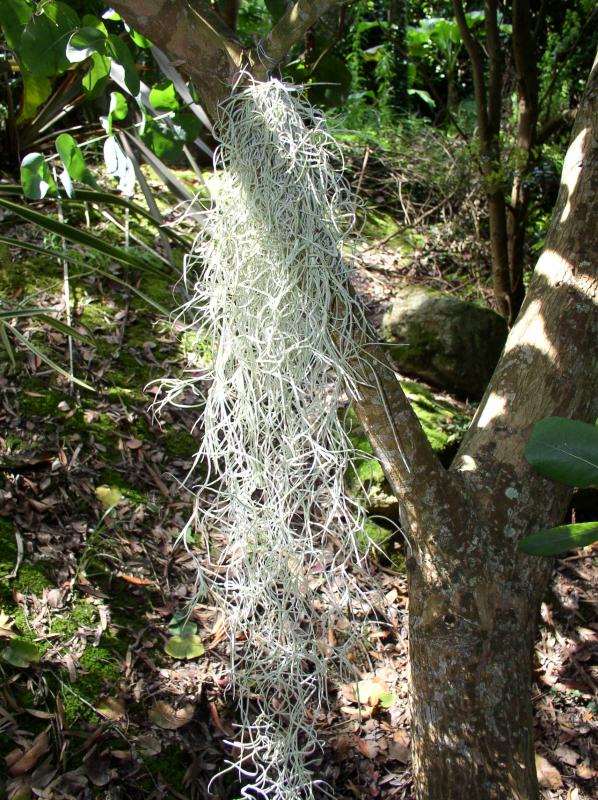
7 345
46 359
83 238
11 242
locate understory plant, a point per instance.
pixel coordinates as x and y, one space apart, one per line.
274 300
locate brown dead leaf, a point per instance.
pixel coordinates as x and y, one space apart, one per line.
567 755
367 747
29 758
111 708
149 745
399 747
548 776
165 716
585 772
97 769
134 444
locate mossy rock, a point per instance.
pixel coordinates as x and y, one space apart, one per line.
445 341
443 423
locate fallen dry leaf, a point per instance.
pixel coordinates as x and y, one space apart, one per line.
399 747
111 708
548 776
165 716
585 772
19 765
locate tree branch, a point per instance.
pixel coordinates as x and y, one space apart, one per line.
183 29
414 473
476 57
290 29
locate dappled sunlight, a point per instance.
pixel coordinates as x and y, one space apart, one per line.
496 406
531 332
572 169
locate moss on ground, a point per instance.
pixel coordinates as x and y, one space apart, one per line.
180 443
170 766
98 674
30 578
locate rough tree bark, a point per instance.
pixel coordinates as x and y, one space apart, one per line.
473 596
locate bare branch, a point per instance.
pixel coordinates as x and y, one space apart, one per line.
290 29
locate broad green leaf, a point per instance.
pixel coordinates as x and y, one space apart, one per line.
187 647
83 238
44 40
97 75
276 8
112 15
119 51
162 140
552 541
179 625
36 90
14 16
36 178
84 42
139 40
72 158
334 78
564 450
118 105
90 21
21 653
163 97
119 165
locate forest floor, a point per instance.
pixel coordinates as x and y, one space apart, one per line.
95 699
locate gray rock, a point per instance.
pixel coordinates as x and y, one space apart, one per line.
448 342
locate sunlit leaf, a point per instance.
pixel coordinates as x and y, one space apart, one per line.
97 75
20 653
84 42
44 40
109 496
118 105
36 90
185 647
119 165
119 51
163 97
552 541
72 158
14 16
36 178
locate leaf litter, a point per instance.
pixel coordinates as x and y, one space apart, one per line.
113 681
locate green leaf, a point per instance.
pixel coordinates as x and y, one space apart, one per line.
162 140
388 699
179 625
8 347
564 450
118 105
21 653
90 21
163 97
36 90
72 158
44 40
14 16
552 541
119 51
36 178
84 42
189 646
139 40
276 8
96 77
119 165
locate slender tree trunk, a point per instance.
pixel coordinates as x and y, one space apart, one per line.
473 597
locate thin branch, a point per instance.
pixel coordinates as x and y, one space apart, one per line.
290 29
